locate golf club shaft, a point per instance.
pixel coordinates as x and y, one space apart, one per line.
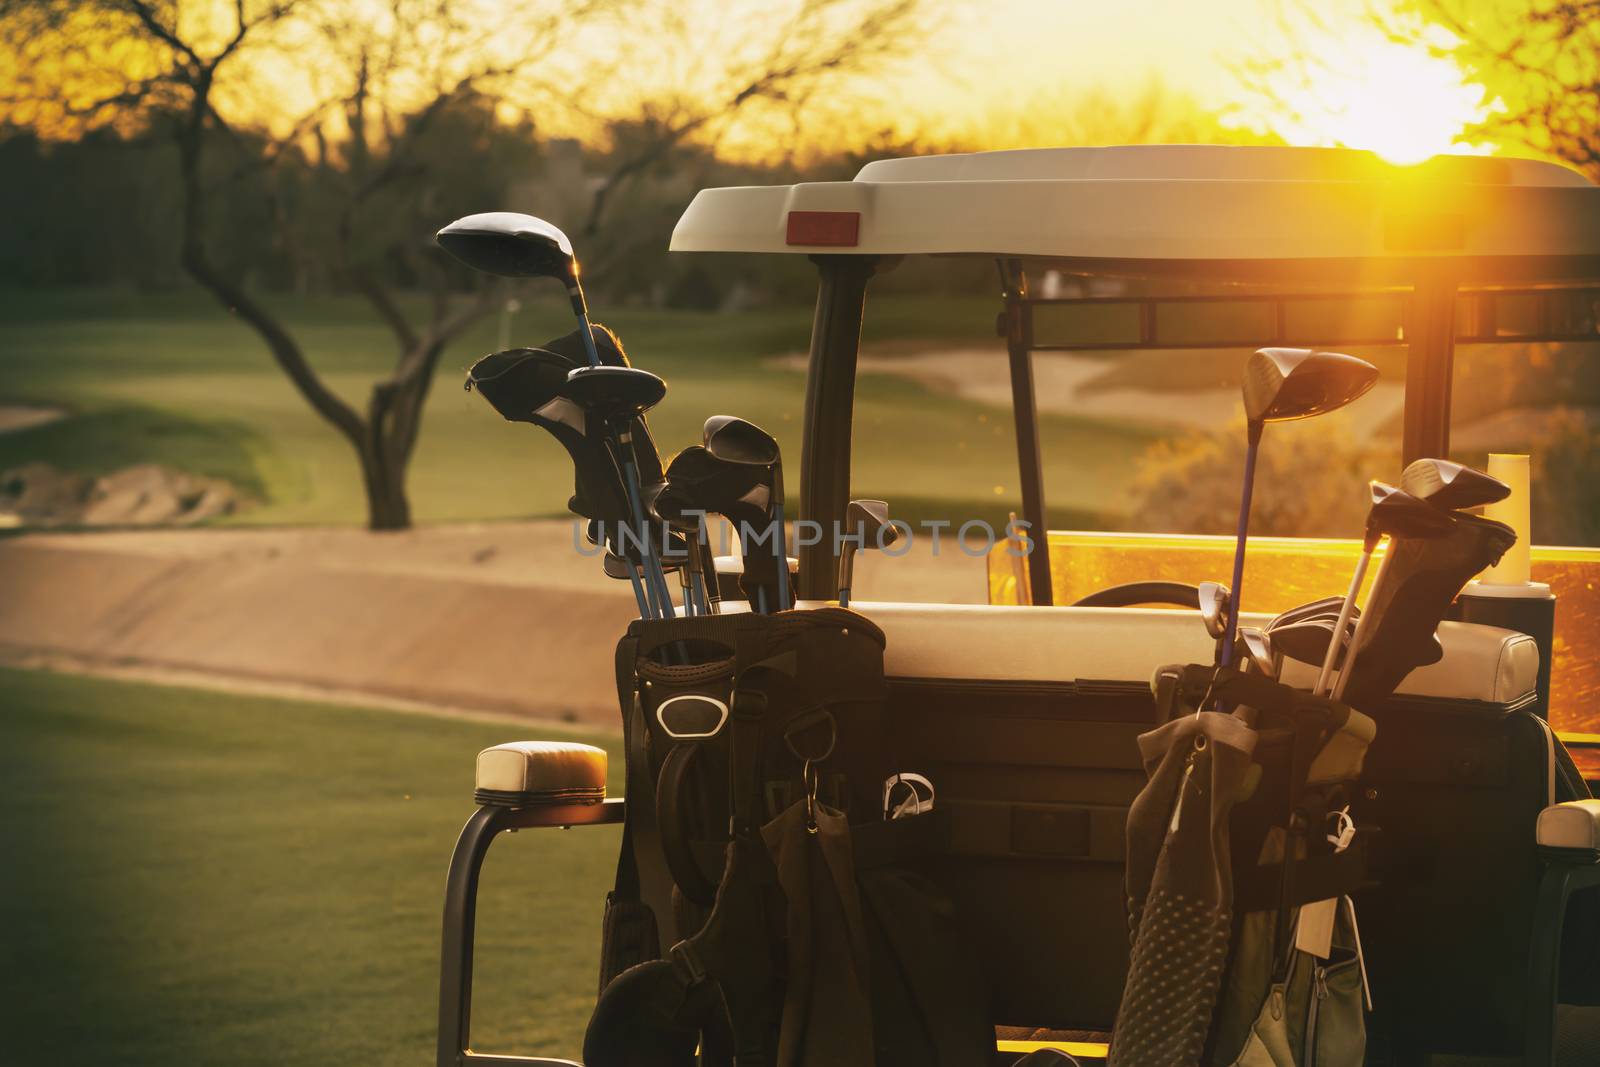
652 566
710 585
1336 640
645 611
847 565
785 601
1237 584
1361 625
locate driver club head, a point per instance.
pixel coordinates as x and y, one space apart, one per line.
1283 384
510 245
1451 486
1396 513
1214 607
613 392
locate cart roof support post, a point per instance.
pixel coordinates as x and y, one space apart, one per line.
830 399
1430 359
1018 322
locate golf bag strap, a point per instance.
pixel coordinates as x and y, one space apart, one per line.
675 847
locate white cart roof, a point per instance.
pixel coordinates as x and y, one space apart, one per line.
1163 202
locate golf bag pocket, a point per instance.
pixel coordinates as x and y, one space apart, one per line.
822 732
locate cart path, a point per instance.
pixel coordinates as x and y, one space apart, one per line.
498 618
1063 384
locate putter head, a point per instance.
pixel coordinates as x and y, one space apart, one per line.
1306 640
509 245
1399 514
1214 598
736 440
1282 384
1451 486
613 392
871 519
1257 650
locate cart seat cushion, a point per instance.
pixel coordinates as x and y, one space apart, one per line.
1481 665
522 773
1573 826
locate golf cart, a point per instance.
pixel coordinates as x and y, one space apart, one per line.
1477 887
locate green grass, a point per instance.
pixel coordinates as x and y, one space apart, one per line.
195 878
171 378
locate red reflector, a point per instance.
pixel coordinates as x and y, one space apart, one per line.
837 228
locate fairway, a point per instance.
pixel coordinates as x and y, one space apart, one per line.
196 878
169 378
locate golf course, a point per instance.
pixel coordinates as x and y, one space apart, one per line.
170 379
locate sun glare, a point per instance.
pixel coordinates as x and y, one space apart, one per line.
1367 91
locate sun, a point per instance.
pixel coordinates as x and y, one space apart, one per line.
1365 90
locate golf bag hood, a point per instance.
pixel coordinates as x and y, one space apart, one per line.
1421 578
524 385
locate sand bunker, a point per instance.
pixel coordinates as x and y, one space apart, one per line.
39 494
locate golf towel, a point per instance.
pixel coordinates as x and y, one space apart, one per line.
1180 887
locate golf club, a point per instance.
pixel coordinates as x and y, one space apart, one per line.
700 484
869 522
1214 608
1406 518
617 396
737 440
1328 606
510 245
1451 486
1305 640
1258 650
1281 385
1394 512
526 385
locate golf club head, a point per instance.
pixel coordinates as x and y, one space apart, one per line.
1396 513
870 518
1451 486
509 245
1214 607
737 440
1283 384
1328 607
613 392
1306 640
1257 648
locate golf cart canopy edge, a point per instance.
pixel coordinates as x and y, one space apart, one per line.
1168 203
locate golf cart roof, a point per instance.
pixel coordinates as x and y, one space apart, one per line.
1177 204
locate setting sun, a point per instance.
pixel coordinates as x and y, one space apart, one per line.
1366 91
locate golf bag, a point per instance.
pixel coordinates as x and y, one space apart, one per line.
796 927
1225 851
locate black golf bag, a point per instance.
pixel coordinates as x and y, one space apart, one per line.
765 909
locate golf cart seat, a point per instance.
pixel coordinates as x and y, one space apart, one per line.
1572 828
526 773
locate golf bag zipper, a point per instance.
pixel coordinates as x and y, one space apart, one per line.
1319 993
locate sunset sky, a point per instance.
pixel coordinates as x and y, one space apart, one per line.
992 73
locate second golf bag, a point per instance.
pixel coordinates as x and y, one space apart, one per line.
757 853
1229 865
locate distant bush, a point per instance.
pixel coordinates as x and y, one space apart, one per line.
1310 481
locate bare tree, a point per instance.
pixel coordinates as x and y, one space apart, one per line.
1539 58
788 53
384 78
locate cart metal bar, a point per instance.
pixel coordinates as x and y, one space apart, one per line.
830 396
1481 323
461 913
1018 321
1430 360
